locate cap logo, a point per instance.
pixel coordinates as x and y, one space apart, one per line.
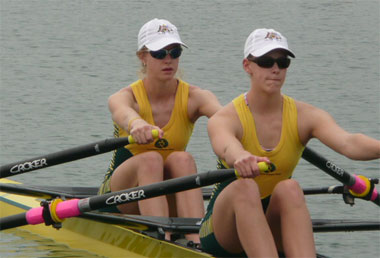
164 28
273 36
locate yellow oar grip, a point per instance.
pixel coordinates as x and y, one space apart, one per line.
237 174
154 134
263 167
130 139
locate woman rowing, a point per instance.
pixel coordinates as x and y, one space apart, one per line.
267 215
162 102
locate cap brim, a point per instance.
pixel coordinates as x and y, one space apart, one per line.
164 42
269 48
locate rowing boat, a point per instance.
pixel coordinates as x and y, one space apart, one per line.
97 235
120 235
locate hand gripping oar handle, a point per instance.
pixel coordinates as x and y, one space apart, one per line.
359 186
76 207
71 154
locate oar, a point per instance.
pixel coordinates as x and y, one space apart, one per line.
359 186
76 207
70 192
67 155
207 192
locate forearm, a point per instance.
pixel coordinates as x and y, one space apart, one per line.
362 147
230 152
355 146
122 107
126 118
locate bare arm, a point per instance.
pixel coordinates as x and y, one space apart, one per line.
225 130
317 123
124 110
202 103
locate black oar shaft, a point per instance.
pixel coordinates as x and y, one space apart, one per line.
329 167
156 189
334 189
13 221
60 157
162 188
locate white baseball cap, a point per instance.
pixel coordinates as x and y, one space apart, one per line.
157 34
262 41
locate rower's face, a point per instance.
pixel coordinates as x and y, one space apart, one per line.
162 69
272 78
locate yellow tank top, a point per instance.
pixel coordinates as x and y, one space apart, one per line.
285 155
177 131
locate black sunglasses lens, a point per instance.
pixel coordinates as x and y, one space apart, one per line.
283 62
175 52
162 53
265 62
268 62
159 54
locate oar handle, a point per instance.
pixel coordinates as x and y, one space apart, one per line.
359 186
67 155
263 167
76 207
154 134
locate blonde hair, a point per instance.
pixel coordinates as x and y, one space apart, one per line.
142 71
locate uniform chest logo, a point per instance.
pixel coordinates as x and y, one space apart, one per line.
161 143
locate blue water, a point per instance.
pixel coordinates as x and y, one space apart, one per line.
60 60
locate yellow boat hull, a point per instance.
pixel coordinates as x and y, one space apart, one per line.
92 236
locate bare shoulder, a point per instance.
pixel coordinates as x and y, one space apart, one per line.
125 92
198 92
310 120
201 103
226 119
308 111
122 97
303 106
226 114
228 110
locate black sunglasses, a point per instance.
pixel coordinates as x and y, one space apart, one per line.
162 53
268 62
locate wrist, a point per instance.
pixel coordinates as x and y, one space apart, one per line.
131 122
